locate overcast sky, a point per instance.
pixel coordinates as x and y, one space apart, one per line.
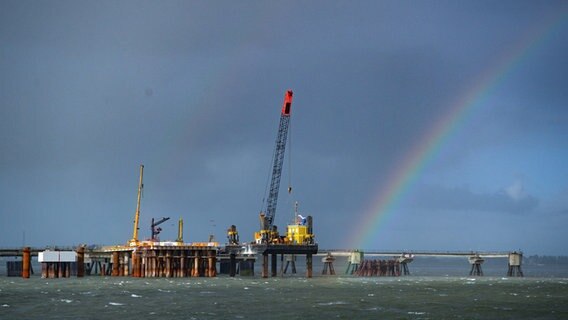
193 90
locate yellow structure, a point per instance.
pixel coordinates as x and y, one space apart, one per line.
298 234
180 231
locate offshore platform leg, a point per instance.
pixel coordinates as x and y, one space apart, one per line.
265 265
309 265
232 264
80 262
26 262
273 265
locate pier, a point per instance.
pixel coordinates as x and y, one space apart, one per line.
398 263
201 259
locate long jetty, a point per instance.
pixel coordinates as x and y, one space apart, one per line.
201 261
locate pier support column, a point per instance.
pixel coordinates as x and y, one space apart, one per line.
183 264
26 262
265 265
168 263
147 263
44 270
143 264
232 264
405 269
476 262
136 264
154 264
309 265
212 263
51 270
197 262
515 260
115 264
290 261
273 265
354 261
61 269
126 264
328 264
80 262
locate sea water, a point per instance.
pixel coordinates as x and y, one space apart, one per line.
442 291
346 297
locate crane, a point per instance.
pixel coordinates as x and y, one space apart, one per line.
155 229
134 241
268 232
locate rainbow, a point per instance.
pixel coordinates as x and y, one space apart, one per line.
390 193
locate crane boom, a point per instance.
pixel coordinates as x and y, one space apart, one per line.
134 240
267 218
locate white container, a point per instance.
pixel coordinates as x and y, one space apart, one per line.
57 256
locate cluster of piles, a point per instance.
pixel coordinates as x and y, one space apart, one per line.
165 262
379 268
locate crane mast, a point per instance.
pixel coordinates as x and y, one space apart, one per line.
267 234
134 240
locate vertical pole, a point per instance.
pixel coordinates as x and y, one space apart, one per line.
51 270
126 256
149 264
309 265
232 264
26 262
80 262
212 267
294 271
154 264
143 264
182 262
115 264
60 270
168 263
196 263
136 265
273 264
264 265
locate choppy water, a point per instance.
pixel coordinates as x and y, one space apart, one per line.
414 297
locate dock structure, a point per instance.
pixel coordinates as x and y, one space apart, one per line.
169 261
